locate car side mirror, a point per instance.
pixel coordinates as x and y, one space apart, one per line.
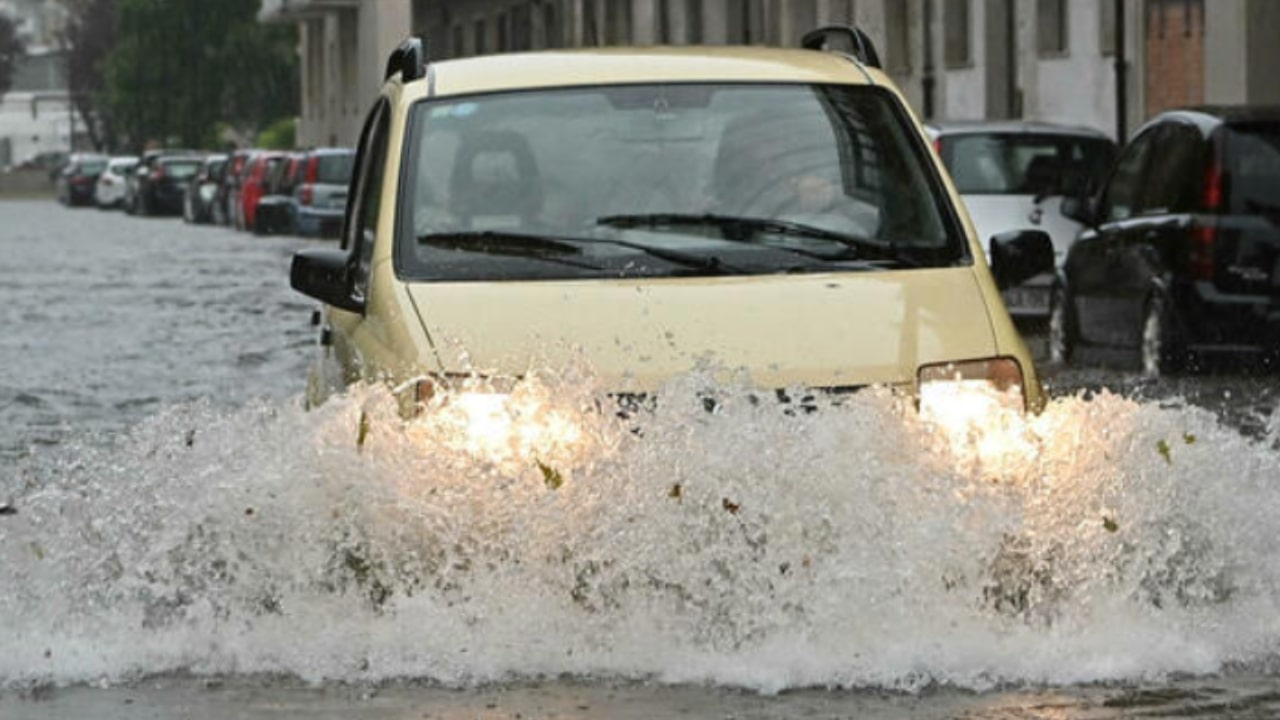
1019 255
1083 210
325 274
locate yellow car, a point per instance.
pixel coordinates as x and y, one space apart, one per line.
774 213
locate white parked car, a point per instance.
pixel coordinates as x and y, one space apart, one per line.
1014 175
109 192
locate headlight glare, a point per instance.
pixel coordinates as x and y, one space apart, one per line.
959 393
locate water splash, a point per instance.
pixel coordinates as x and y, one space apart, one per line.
759 545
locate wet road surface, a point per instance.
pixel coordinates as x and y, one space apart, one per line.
145 355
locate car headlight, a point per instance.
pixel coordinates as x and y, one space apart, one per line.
959 393
498 419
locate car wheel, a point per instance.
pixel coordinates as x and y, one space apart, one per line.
1062 327
1160 352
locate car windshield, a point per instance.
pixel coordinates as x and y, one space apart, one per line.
1026 163
1253 159
334 168
93 167
653 180
181 170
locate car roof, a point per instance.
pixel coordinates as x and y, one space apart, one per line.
1012 127
1208 118
596 66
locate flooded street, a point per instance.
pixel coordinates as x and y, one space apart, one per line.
183 538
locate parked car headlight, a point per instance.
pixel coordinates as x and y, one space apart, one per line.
960 393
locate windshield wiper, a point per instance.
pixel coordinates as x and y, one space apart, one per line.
505 242
496 243
740 229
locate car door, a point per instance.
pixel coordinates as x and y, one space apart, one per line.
1157 234
351 335
1094 271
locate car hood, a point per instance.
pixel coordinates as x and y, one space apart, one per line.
829 330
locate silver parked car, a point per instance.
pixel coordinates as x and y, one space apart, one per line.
109 192
1014 175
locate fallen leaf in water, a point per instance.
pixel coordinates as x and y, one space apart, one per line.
362 433
550 475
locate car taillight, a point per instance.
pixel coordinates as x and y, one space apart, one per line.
1203 238
1213 187
306 195
313 170
1205 234
158 173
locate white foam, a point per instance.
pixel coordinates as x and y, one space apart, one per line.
853 546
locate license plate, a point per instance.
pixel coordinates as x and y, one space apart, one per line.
1026 298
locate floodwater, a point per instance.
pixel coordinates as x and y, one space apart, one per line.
181 537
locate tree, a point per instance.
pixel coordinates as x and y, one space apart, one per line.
10 50
180 68
89 37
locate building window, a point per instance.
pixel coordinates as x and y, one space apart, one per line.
1107 27
1051 22
504 33
693 21
480 44
663 23
552 35
897 30
617 19
956 33
590 26
745 21
458 41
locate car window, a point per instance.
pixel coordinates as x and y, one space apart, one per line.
1253 169
568 163
1123 198
181 170
1174 172
1026 163
362 222
334 168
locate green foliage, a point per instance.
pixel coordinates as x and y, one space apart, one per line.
279 135
180 67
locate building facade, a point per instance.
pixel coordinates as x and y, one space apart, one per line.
954 59
35 114
343 45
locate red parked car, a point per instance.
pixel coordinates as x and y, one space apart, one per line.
253 186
